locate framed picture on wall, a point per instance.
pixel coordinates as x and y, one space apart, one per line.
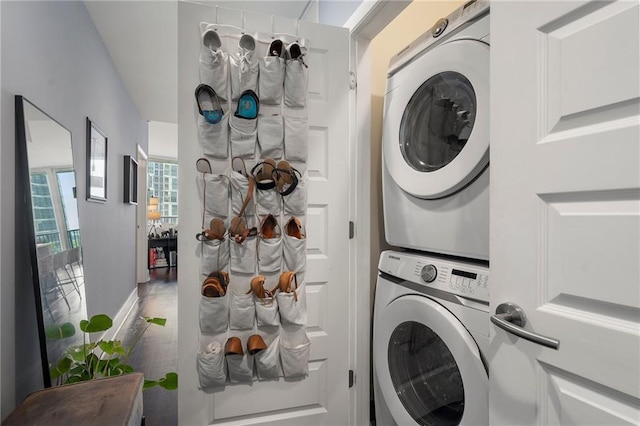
130 180
96 163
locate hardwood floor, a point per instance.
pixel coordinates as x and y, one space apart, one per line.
156 353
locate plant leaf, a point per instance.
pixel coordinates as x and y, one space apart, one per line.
149 384
157 321
169 381
63 366
59 331
100 322
107 347
78 353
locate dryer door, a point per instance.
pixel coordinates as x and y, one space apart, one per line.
428 365
436 126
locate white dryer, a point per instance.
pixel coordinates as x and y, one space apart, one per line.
435 141
430 330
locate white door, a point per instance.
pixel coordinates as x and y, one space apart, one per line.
323 397
142 251
565 211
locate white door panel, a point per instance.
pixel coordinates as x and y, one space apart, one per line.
565 211
323 396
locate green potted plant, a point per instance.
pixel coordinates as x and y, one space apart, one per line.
103 358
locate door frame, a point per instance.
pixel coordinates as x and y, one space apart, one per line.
365 24
142 270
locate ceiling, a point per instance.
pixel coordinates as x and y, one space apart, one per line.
142 39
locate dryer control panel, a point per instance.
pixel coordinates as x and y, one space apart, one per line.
463 278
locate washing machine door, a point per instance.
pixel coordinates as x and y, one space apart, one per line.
436 125
428 366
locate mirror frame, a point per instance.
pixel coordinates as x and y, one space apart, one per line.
23 198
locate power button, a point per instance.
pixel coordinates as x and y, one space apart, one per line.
439 27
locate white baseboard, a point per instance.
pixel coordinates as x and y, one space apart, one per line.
121 317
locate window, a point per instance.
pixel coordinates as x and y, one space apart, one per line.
44 215
162 182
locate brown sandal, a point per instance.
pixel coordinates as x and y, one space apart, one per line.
263 174
293 228
216 231
285 178
239 231
285 284
233 346
255 344
211 287
269 227
215 285
257 288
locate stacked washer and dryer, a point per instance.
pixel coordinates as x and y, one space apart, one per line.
431 313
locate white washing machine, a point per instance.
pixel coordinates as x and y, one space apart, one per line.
430 330
435 139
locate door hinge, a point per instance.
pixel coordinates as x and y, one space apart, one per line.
352 229
352 378
353 83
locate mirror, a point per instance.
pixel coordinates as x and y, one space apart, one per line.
45 164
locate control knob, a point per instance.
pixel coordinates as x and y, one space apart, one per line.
429 273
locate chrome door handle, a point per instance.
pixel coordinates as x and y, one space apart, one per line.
511 318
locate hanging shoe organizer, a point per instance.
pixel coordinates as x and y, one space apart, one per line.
251 114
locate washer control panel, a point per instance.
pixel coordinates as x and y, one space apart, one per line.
454 276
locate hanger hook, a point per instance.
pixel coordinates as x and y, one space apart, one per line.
243 21
272 26
216 14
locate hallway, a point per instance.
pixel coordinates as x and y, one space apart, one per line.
157 351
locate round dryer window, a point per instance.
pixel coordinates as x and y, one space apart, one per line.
435 135
437 121
425 375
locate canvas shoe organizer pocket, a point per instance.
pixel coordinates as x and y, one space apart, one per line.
214 194
293 306
243 133
214 71
268 202
267 312
268 361
244 76
243 255
295 204
239 190
295 253
296 82
269 254
271 80
210 362
214 138
243 312
295 348
214 314
240 368
215 256
296 131
270 135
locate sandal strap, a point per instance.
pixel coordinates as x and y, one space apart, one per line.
262 185
294 180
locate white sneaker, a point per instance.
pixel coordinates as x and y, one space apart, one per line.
246 51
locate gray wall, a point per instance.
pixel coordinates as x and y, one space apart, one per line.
52 54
